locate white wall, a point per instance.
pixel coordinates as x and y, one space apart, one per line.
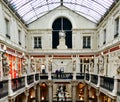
46 21
15 24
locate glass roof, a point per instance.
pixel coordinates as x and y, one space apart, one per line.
30 10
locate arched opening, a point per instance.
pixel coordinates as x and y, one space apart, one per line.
43 92
58 25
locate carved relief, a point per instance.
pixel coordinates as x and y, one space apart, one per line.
24 65
32 65
74 65
5 64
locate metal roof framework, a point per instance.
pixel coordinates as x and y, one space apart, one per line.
30 10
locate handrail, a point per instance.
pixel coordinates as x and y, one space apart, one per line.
94 79
107 83
18 83
62 75
3 88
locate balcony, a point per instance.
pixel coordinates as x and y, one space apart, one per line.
62 76
107 83
87 77
30 79
80 76
18 83
37 76
94 79
3 88
44 76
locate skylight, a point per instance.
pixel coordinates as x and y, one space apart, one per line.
30 10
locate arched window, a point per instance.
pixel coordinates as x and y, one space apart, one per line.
58 25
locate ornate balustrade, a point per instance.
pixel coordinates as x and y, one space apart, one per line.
43 76
18 83
80 76
62 75
30 79
3 88
37 76
107 83
87 77
94 79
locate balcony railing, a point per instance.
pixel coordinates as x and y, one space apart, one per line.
87 76
37 77
118 86
107 83
18 83
80 76
3 88
30 79
44 76
94 79
62 75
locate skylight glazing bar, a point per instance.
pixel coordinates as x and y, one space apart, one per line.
83 6
30 10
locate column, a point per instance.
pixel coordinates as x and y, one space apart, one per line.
74 84
38 94
90 93
35 91
26 95
86 94
98 96
50 91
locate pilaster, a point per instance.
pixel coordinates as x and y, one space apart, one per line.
74 84
50 84
26 95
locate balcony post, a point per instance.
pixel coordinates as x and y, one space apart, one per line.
26 84
114 92
89 78
34 78
98 84
10 91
